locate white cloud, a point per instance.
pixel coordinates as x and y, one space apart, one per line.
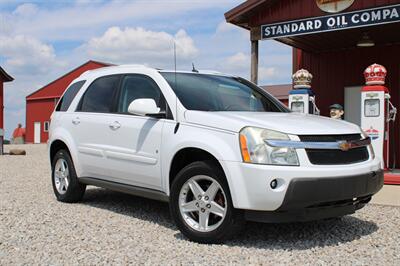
87 2
226 27
26 10
239 60
239 64
138 45
267 73
76 20
26 54
32 64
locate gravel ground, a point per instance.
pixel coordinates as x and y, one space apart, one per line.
113 228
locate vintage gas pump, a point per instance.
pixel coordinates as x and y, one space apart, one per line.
302 98
377 111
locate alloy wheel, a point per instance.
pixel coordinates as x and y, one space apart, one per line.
202 203
61 176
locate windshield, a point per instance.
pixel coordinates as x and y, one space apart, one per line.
205 92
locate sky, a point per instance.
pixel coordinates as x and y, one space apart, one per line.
42 40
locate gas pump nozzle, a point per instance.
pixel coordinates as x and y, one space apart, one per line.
392 111
316 110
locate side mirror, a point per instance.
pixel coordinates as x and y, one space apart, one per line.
143 107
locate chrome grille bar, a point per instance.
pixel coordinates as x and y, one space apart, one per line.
337 145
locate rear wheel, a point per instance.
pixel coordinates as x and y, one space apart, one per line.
66 186
201 204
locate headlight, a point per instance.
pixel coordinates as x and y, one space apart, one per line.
255 150
364 135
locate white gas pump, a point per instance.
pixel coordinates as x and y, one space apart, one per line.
302 98
377 111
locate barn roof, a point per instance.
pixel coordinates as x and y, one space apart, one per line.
280 92
57 87
4 76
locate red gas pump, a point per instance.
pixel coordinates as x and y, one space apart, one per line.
377 112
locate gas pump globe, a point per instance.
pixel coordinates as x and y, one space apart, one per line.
302 98
377 111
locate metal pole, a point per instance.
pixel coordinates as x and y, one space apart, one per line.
1 141
254 61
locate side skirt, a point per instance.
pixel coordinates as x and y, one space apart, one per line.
124 188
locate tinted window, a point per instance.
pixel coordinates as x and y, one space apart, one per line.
220 93
136 87
99 96
69 96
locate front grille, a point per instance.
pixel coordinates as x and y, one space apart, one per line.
333 157
329 138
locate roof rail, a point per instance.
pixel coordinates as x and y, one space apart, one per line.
134 65
214 72
115 66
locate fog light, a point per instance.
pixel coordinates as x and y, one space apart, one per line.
274 184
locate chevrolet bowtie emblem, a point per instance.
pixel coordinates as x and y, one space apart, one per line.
344 145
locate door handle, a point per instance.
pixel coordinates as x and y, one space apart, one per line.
76 121
115 125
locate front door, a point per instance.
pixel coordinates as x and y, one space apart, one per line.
36 132
352 104
134 155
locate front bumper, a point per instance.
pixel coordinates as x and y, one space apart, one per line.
250 183
318 198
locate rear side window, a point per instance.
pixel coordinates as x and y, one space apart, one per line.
69 96
98 98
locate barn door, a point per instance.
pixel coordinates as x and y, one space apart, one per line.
36 132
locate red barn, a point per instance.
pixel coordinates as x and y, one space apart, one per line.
4 77
41 103
281 92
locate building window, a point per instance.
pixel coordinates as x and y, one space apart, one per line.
46 126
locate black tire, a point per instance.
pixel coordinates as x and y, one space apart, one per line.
75 190
234 219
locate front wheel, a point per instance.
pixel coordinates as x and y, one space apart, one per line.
201 204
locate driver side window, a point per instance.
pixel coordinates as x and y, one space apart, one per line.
136 87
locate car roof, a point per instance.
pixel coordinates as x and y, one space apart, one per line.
200 72
109 70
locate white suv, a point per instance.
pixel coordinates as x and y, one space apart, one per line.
218 148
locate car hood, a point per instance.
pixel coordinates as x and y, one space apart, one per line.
291 123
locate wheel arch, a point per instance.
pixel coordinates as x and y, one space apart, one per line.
59 142
55 146
187 155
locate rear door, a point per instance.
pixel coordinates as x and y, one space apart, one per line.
90 126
